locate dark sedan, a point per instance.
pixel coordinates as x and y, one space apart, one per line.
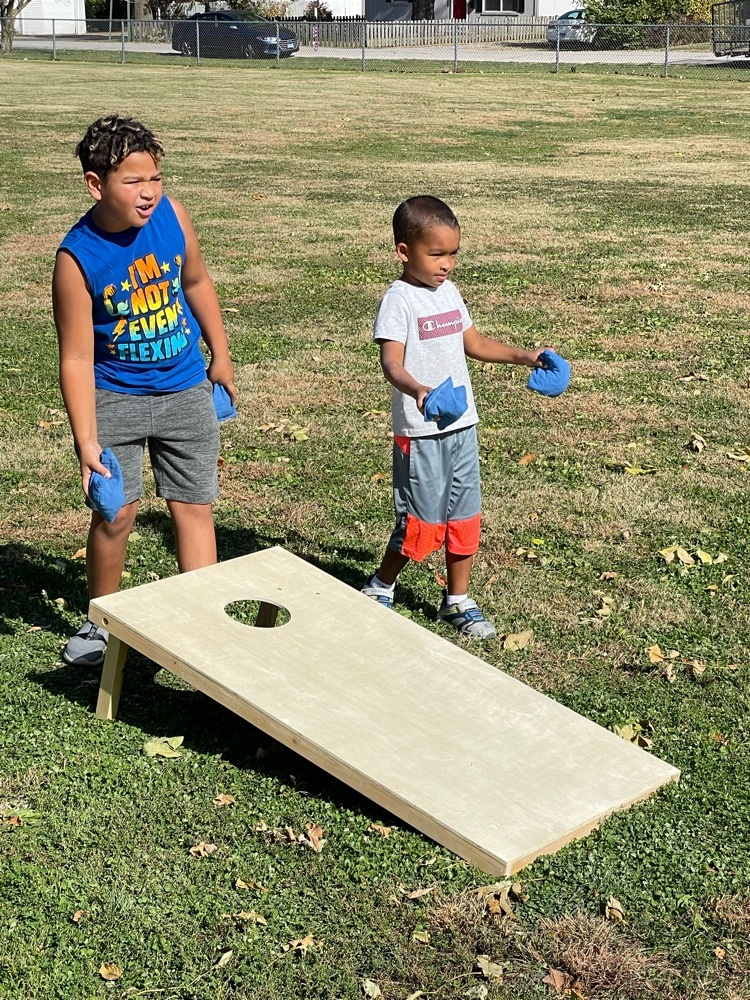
232 34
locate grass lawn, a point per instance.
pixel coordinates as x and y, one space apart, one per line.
605 216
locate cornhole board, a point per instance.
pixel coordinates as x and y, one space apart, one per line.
474 759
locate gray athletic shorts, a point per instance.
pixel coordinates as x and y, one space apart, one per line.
436 493
182 434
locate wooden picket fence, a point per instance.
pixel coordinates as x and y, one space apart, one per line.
348 34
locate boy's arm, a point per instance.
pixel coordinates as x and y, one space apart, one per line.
71 306
486 349
204 304
392 363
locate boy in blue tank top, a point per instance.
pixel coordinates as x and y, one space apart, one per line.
132 298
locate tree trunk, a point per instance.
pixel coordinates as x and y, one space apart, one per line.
7 31
423 10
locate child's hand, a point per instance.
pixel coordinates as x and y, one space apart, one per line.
222 370
422 394
88 456
533 356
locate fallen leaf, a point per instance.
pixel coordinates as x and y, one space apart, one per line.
417 995
692 376
384 831
696 668
636 731
371 989
80 554
668 673
557 979
685 558
609 575
696 443
422 937
527 459
240 883
418 893
314 838
163 746
613 910
203 850
721 953
77 916
488 968
224 800
705 557
378 476
638 470
248 917
110 971
230 309
34 628
655 654
721 558
517 640
743 455
226 957
669 554
301 944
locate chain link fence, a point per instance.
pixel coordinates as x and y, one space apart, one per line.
501 44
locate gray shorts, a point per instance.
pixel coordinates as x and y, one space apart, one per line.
182 434
436 493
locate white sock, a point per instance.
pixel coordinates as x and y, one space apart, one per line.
377 582
452 599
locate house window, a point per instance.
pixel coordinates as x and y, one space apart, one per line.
503 6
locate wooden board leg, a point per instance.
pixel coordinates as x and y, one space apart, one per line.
111 683
267 615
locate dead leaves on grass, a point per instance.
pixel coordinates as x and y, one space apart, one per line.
163 746
313 838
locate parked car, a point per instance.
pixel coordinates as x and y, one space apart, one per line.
572 27
232 34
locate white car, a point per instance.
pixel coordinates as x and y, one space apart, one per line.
571 27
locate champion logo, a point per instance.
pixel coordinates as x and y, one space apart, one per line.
441 325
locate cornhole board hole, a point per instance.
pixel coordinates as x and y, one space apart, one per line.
474 759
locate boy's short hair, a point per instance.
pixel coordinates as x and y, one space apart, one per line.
109 140
416 215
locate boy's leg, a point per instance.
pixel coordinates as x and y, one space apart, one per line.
195 537
184 450
105 550
392 564
105 557
458 572
462 541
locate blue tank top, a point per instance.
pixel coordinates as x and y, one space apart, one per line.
146 339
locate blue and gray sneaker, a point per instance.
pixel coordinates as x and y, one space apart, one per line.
380 594
87 647
467 618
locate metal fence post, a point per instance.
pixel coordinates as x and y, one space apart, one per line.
122 41
54 40
455 48
278 46
557 51
666 53
364 43
197 43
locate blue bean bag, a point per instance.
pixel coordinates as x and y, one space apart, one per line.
107 495
446 403
554 378
223 403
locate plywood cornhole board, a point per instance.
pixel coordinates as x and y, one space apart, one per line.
483 764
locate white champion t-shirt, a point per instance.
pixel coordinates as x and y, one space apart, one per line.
430 323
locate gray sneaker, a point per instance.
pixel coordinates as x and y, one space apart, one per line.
379 594
467 618
87 647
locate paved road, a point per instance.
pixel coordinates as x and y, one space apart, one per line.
491 52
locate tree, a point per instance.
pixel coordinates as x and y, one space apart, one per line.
423 10
9 11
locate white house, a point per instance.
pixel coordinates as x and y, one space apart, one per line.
37 17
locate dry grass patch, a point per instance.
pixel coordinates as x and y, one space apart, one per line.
602 958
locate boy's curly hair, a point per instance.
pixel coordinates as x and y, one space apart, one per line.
416 215
109 140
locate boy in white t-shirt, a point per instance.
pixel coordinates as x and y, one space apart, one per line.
425 334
